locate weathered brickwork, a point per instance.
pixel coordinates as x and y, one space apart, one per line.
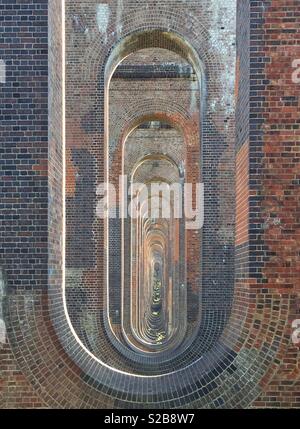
274 164
236 128
24 155
273 140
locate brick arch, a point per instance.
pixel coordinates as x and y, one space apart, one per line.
83 383
192 38
136 114
193 33
235 335
188 126
128 123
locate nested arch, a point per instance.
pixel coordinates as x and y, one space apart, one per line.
156 313
154 38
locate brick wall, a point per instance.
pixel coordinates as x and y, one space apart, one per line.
274 163
248 359
269 156
23 187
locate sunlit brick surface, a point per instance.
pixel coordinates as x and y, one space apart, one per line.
240 135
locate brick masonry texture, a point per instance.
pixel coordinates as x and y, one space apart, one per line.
241 123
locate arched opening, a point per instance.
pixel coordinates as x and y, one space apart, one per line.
152 311
207 360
